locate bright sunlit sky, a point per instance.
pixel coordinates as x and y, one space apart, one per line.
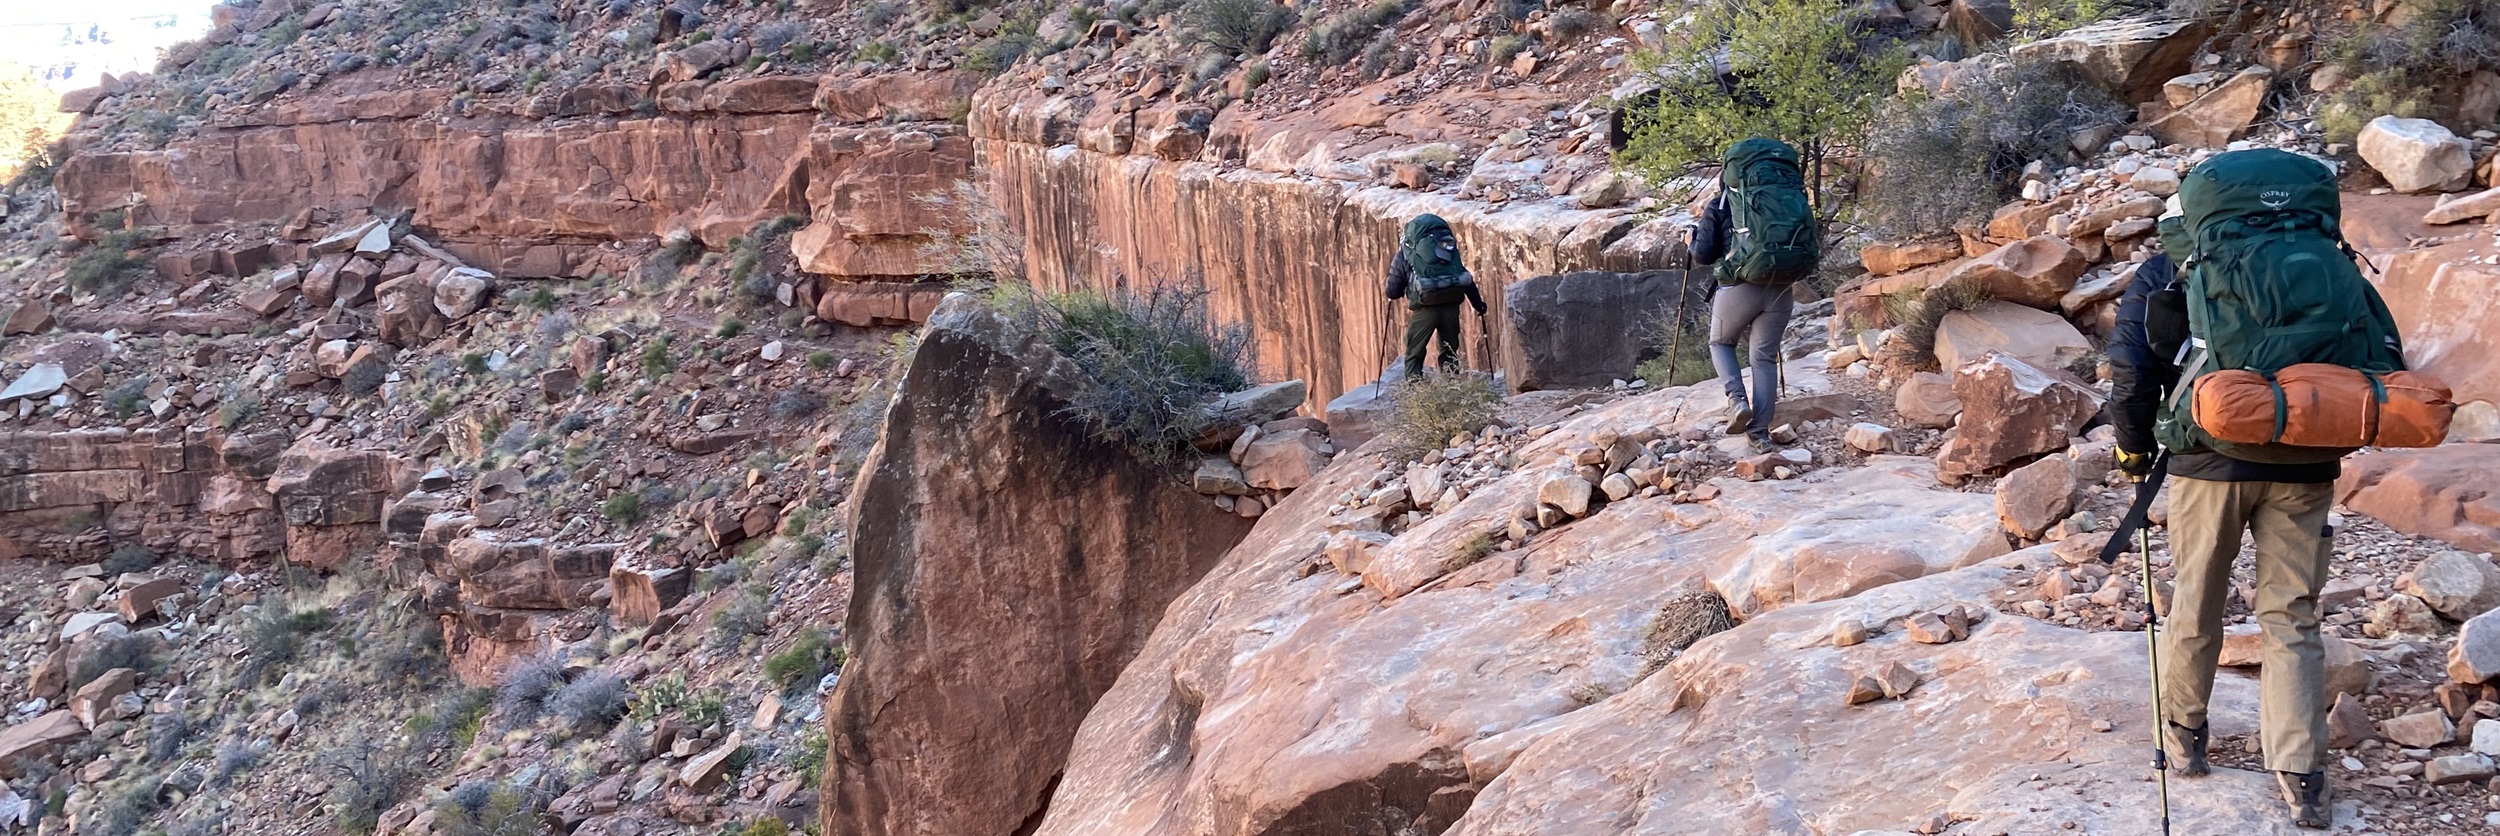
69 42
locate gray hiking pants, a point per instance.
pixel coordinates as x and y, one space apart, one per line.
1764 311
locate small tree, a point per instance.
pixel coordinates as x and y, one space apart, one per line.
1811 72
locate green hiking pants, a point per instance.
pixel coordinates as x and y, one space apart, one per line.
2289 521
1424 323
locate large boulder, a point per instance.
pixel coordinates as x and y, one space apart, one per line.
530 574
37 741
2221 114
1927 400
2035 336
2012 410
2416 155
2459 585
2036 496
1885 258
2129 57
2035 271
1585 330
1015 563
331 499
2445 492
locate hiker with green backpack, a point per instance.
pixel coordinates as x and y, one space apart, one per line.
1427 273
2255 354
1760 236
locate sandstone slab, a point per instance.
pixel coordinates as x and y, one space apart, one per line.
2036 271
2013 410
2129 57
2219 115
2444 492
1575 330
1927 400
2032 335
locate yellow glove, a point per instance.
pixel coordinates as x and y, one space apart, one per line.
2135 465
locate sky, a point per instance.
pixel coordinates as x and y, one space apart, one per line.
70 42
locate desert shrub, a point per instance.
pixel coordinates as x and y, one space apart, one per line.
1237 27
1684 619
453 720
747 615
122 810
773 36
730 326
234 756
876 52
624 508
794 404
1681 337
655 359
108 268
1567 25
820 360
1425 413
203 825
167 733
522 693
1504 48
489 808
369 778
1944 160
589 704
127 398
1338 41
136 651
804 663
1152 360
1807 71
1918 323
129 557
807 759
2401 69
2041 18
759 827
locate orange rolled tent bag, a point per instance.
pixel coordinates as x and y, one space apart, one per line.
2321 405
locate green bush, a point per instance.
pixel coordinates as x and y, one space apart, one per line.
1424 414
1505 48
1338 41
489 808
1152 360
129 557
746 615
108 268
876 52
1237 27
2403 70
655 360
804 663
1935 162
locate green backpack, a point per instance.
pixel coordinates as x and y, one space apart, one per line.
1776 240
1436 276
2270 284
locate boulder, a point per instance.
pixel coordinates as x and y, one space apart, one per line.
2456 584
1259 404
2221 114
2347 668
1885 258
2416 155
1927 400
2036 496
2129 57
525 574
1569 331
2012 410
2475 658
2418 730
27 316
705 772
37 741
95 698
1284 460
38 381
2097 287
1219 477
1566 492
2444 492
1868 437
696 61
405 314
2457 769
2483 204
2035 271
1356 416
2034 336
995 603
138 603
1979 22
462 291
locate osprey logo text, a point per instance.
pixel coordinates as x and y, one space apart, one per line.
2274 198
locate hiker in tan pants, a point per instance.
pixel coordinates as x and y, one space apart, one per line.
2289 521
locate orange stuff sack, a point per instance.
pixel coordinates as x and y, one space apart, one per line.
2320 405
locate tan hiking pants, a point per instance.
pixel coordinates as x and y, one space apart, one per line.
2206 519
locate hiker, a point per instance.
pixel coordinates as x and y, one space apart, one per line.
1426 273
1760 237
2258 229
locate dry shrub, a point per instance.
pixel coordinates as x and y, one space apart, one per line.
1424 414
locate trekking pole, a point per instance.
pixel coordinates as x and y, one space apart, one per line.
1675 339
2152 652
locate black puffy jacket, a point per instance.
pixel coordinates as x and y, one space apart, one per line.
2141 382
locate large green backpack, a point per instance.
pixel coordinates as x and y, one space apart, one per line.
2270 284
1776 240
1436 276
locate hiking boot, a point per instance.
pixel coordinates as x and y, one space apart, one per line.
2307 796
1762 443
2187 749
1740 421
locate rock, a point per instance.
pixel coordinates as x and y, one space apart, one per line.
2347 723
1219 477
1000 552
2033 336
1566 331
38 381
2486 737
638 595
2416 155
94 698
2129 57
81 624
2036 271
2213 119
37 741
1284 460
2036 496
1927 628
2443 492
1927 400
1867 437
2096 288
2156 181
462 291
138 603
1617 486
1898 680
2475 658
696 61
2458 769
1570 493
2404 615
2456 584
2471 207
1849 633
1979 22
29 316
705 772
1261 404
348 240
2013 410
2418 730
1888 258
1865 689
